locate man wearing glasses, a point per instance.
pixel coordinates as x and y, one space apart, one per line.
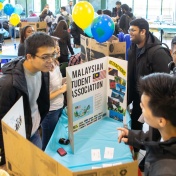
146 55
28 77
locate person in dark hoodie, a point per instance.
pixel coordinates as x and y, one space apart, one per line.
144 47
126 18
61 32
158 103
28 77
76 32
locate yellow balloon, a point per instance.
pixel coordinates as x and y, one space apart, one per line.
83 14
14 19
1 5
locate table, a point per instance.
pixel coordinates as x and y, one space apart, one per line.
162 28
98 136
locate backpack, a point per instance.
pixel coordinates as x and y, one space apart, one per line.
67 19
151 52
75 59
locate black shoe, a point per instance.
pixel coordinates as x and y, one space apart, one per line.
142 164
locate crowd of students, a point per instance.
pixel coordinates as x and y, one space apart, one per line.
151 89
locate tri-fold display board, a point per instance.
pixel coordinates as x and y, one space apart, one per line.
96 89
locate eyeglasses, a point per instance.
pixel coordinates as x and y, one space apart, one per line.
174 53
131 30
47 57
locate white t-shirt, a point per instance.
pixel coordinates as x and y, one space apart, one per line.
55 83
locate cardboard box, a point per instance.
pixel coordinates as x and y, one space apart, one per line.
91 49
25 159
38 26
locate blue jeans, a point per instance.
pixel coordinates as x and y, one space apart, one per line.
48 125
36 139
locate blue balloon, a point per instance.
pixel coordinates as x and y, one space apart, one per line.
8 9
2 1
88 29
102 28
18 9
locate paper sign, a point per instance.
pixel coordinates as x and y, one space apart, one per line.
95 155
109 153
107 165
15 118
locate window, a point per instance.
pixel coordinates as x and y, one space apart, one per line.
154 9
140 8
51 5
96 4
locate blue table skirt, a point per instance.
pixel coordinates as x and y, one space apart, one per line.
97 136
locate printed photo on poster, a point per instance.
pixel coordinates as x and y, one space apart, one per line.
82 108
118 95
112 72
112 84
115 110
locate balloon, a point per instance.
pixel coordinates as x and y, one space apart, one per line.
2 1
83 14
102 28
18 9
88 29
8 9
14 19
1 5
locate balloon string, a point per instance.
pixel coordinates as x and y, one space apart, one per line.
90 49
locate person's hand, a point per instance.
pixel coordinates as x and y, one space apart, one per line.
64 88
123 136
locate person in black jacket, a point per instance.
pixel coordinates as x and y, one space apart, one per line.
28 77
144 57
76 32
64 41
49 13
158 103
117 11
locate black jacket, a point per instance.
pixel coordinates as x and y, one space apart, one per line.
160 157
21 49
76 31
116 12
138 65
13 85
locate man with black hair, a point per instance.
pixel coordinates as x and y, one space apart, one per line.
28 77
116 11
158 104
146 55
107 12
67 17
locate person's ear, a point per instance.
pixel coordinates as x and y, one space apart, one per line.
143 32
28 56
162 122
